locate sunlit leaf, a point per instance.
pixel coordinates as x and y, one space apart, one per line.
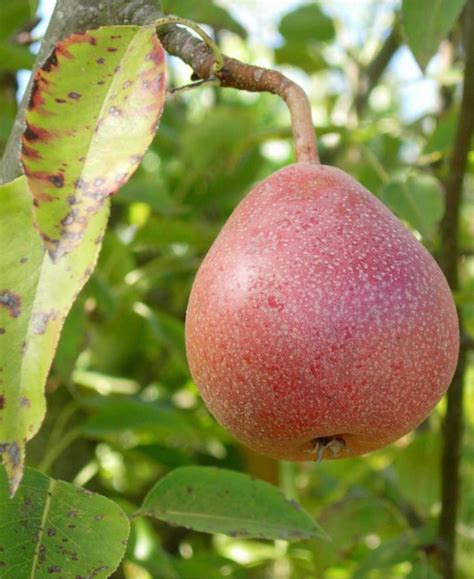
93 112
35 296
426 23
222 501
52 528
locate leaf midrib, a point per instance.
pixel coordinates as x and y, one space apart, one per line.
42 527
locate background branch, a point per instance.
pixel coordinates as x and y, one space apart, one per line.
371 76
450 253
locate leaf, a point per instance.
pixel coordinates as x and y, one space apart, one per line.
387 555
214 500
14 15
113 416
204 11
426 23
418 199
410 471
302 55
54 528
307 23
305 30
35 296
14 57
93 112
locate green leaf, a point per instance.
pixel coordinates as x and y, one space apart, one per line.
205 11
93 112
387 555
307 23
54 528
12 58
418 199
410 471
14 15
302 55
214 500
113 416
35 296
305 30
426 23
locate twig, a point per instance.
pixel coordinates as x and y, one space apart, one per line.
450 253
374 71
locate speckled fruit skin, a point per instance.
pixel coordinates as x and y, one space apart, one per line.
317 314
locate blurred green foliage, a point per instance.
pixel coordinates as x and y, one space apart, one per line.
120 377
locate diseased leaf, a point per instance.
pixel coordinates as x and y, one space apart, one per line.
426 23
54 528
35 296
215 500
93 112
418 199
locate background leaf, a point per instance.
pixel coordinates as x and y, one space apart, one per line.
52 528
426 23
221 501
418 199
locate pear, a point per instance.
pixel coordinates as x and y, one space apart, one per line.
317 325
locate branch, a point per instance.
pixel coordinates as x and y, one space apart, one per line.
376 68
450 253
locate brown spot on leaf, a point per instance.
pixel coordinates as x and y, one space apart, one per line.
62 50
25 402
2 331
36 100
30 153
40 320
50 62
35 133
2 402
61 101
57 180
100 60
74 95
23 260
111 49
10 301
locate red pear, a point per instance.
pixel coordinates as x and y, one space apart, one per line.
317 325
